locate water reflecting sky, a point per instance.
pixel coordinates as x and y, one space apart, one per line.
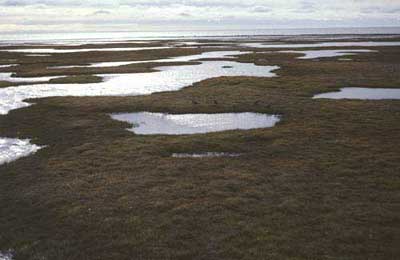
362 93
146 123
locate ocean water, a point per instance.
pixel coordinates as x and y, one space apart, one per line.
100 37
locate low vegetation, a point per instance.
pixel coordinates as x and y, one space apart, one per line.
323 184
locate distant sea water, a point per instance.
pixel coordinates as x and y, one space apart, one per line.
56 37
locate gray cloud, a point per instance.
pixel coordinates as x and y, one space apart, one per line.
18 15
101 12
185 14
307 7
261 9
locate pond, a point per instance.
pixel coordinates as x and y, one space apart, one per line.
147 123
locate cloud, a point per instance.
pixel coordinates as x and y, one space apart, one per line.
44 15
185 15
382 10
307 7
261 9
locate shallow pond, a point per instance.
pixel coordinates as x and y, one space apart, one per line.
362 93
146 123
12 149
327 53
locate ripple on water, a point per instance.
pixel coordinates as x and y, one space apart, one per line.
362 93
147 123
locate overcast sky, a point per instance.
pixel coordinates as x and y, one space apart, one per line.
139 15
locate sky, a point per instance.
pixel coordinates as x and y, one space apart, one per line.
24 16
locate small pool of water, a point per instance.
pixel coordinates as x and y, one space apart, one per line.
327 53
205 155
6 256
146 123
12 149
362 93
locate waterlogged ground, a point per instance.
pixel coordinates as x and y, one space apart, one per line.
166 79
169 78
321 184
